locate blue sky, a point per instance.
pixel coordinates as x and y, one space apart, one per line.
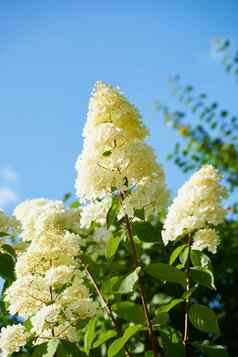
51 54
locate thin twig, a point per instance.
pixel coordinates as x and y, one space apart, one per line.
141 289
104 303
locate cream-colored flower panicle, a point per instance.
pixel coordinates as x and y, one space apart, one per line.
12 338
114 149
197 206
49 283
41 215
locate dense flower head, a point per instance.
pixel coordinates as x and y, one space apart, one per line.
206 238
197 206
114 150
38 216
109 106
96 211
26 295
12 338
48 270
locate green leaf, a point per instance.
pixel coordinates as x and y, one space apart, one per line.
118 344
112 245
4 234
175 253
169 306
129 311
200 259
167 272
211 350
203 318
140 213
147 232
40 350
68 349
62 347
127 285
204 277
162 319
183 256
89 335
67 196
175 349
170 334
104 337
6 266
107 153
75 204
112 285
8 249
113 211
52 347
28 325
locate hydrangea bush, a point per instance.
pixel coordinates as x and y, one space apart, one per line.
116 272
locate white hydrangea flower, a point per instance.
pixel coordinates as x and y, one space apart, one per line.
75 292
39 216
206 238
57 276
26 295
80 309
46 318
197 205
114 149
35 214
49 282
12 338
49 250
62 331
149 194
95 211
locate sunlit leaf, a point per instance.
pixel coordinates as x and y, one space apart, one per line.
118 344
203 318
104 337
89 335
167 273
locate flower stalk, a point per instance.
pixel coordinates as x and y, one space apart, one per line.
141 289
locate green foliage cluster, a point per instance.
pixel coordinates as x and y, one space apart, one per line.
209 134
134 268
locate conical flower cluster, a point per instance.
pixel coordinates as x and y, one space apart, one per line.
114 149
196 208
49 287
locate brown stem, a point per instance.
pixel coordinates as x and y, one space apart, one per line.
188 286
141 289
104 303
